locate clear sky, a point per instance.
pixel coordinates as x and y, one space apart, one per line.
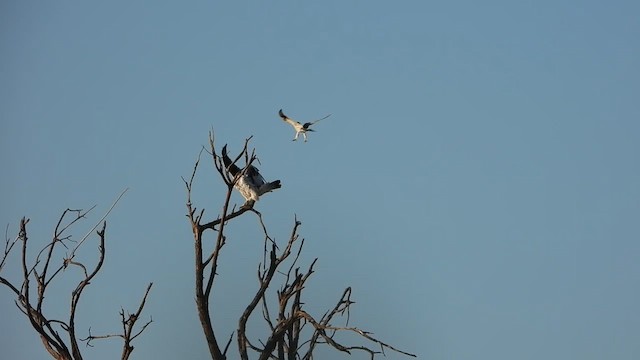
478 184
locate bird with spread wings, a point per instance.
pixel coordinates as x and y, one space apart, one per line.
249 182
298 127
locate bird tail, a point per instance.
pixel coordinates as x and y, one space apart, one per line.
269 187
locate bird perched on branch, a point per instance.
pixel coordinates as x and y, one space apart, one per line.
298 127
250 183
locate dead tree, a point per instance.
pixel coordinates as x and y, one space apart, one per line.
293 332
60 337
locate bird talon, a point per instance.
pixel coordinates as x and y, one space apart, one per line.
248 205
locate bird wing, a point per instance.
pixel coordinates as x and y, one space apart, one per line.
289 120
315 121
255 176
307 124
233 168
292 122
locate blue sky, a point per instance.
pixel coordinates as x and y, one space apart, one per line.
477 184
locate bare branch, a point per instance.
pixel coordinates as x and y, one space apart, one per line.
128 324
202 290
30 301
8 245
265 281
101 220
321 330
227 346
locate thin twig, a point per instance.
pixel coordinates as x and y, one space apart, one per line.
113 205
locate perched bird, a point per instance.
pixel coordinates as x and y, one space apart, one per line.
298 127
251 184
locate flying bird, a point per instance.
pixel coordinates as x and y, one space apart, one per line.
250 183
298 127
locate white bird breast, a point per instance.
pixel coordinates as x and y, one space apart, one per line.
247 188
